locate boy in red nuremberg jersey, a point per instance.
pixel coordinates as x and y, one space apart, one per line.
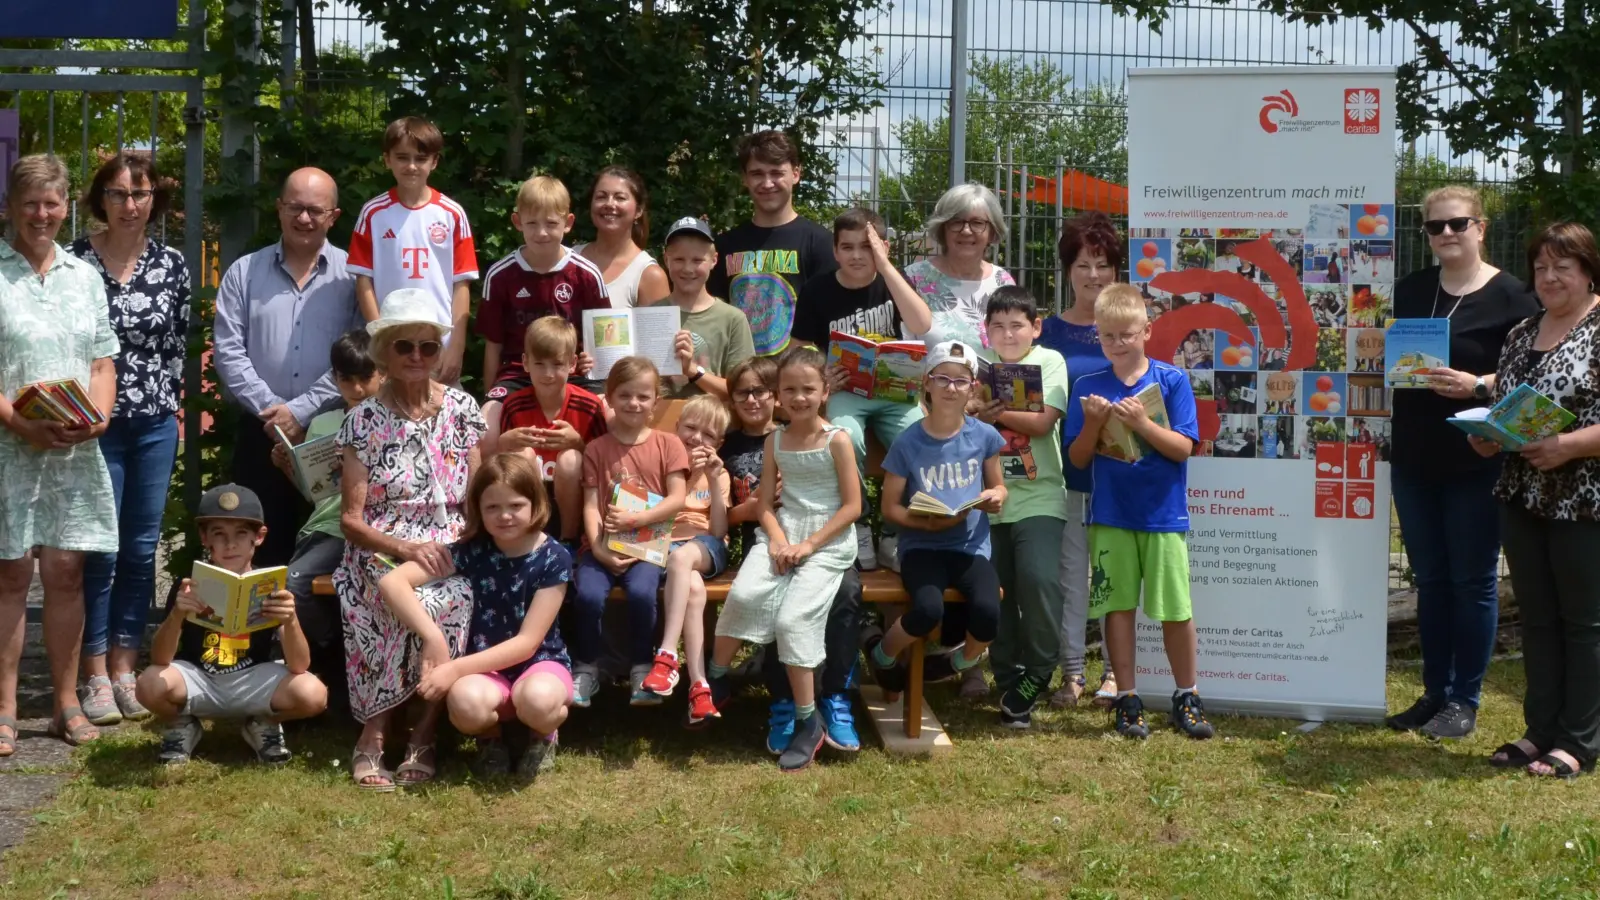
412 236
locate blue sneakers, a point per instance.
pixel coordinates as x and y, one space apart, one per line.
839 723
780 726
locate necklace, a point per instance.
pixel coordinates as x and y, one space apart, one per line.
1440 287
119 267
418 414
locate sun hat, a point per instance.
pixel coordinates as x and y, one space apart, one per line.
407 306
951 352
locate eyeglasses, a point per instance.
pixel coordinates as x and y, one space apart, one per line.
429 349
975 226
759 393
118 196
1126 337
945 381
296 210
1456 225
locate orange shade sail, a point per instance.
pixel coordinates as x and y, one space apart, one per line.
1078 191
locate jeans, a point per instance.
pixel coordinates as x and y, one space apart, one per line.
320 617
1451 531
591 582
1029 640
887 419
842 639
118 588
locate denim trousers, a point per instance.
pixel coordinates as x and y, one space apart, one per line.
119 588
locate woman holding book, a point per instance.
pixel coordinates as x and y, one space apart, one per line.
1443 492
56 493
147 286
1549 497
409 454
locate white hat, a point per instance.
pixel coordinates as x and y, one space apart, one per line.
407 306
951 352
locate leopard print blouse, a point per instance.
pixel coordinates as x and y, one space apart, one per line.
1569 374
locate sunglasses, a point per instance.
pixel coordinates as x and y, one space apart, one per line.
1456 225
429 349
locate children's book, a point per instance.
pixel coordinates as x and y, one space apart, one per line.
648 331
58 401
928 505
879 370
1520 418
1118 441
317 465
1413 349
650 543
234 601
1019 385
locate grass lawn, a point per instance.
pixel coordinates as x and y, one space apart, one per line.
639 808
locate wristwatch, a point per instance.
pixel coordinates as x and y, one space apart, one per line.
700 372
1480 390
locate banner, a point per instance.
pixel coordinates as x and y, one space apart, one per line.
10 132
1261 232
144 19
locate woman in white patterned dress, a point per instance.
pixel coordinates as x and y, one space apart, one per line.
957 280
56 493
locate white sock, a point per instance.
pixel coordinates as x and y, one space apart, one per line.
1187 690
1121 694
670 653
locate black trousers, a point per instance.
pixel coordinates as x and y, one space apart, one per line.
282 504
842 640
927 573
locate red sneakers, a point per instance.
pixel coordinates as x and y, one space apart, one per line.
663 675
700 706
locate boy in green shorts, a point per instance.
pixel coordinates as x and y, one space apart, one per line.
1138 515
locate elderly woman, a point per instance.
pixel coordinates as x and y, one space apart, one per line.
409 453
1549 495
55 494
147 285
957 280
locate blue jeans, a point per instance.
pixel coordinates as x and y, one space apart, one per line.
118 588
591 582
1451 530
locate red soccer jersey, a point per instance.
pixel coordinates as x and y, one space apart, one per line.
579 408
429 247
514 295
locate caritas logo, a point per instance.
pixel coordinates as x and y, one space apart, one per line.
1361 108
1281 105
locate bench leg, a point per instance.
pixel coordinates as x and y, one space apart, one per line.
913 696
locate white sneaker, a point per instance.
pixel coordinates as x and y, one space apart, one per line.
266 739
179 740
888 545
640 696
585 684
866 557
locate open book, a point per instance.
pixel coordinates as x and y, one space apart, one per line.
317 465
648 331
1412 349
650 543
1118 441
923 504
1019 385
891 370
1520 418
58 401
234 601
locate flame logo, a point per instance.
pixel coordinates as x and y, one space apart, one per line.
1299 334
1282 101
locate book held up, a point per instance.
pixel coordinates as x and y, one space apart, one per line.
63 401
317 465
648 331
1413 349
1118 441
234 601
1522 417
886 370
1020 386
651 543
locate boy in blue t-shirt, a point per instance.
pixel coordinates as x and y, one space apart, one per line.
954 460
1138 514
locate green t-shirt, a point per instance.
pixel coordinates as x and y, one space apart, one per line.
325 517
1034 482
721 341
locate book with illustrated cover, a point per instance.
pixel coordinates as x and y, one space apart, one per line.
1019 385
58 401
650 543
234 601
648 331
317 465
1520 418
879 370
1413 349
1118 441
928 505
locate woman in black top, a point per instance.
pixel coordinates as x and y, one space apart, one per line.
1443 490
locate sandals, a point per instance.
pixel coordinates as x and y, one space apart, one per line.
74 736
1106 695
1559 768
414 764
1515 755
370 765
8 743
1070 693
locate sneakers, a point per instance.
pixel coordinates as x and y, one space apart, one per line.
640 696
540 757
780 726
721 691
866 556
1417 715
266 739
938 667
803 746
98 702
1129 711
1016 704
494 759
890 678
1189 716
179 740
700 706
585 684
973 685
888 547
1454 720
838 723
663 677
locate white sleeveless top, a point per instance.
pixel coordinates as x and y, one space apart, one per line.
624 292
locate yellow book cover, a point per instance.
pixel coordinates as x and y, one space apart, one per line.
234 602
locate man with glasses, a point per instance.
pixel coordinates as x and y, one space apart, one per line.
279 310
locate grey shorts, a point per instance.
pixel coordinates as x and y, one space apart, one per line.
237 695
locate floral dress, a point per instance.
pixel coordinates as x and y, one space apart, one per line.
417 474
957 305
52 328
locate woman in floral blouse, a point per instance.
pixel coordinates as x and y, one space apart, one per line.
147 285
957 280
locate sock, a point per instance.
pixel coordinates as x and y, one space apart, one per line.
1188 690
716 671
670 653
802 713
882 659
960 663
1121 694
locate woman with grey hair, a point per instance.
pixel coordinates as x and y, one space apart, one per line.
957 280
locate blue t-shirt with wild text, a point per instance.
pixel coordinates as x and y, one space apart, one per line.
1147 495
950 471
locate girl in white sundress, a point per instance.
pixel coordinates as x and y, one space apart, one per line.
788 579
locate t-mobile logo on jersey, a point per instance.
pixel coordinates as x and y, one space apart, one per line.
415 261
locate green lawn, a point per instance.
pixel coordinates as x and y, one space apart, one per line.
639 808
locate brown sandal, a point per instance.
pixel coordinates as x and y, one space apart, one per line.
74 736
414 765
8 743
365 765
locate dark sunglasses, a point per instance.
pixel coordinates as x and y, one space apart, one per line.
1456 225
429 349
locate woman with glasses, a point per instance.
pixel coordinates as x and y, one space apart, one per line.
957 280
147 285
1443 491
409 454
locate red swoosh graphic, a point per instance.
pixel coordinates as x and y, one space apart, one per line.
1235 287
1302 323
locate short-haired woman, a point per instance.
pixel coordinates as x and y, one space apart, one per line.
147 285
958 278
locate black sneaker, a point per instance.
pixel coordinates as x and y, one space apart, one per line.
1454 720
1016 704
1420 714
540 756
721 691
890 678
803 746
1129 711
1189 716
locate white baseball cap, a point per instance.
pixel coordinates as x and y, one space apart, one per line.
951 352
407 306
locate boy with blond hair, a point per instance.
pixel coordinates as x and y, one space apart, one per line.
714 336
1138 515
412 236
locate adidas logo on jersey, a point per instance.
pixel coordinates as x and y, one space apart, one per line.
523 292
389 235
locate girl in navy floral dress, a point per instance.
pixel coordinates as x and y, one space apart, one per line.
516 665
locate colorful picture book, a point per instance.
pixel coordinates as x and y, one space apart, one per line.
1413 349
648 331
58 401
1019 385
317 465
888 370
233 602
1118 441
650 543
928 505
1521 418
